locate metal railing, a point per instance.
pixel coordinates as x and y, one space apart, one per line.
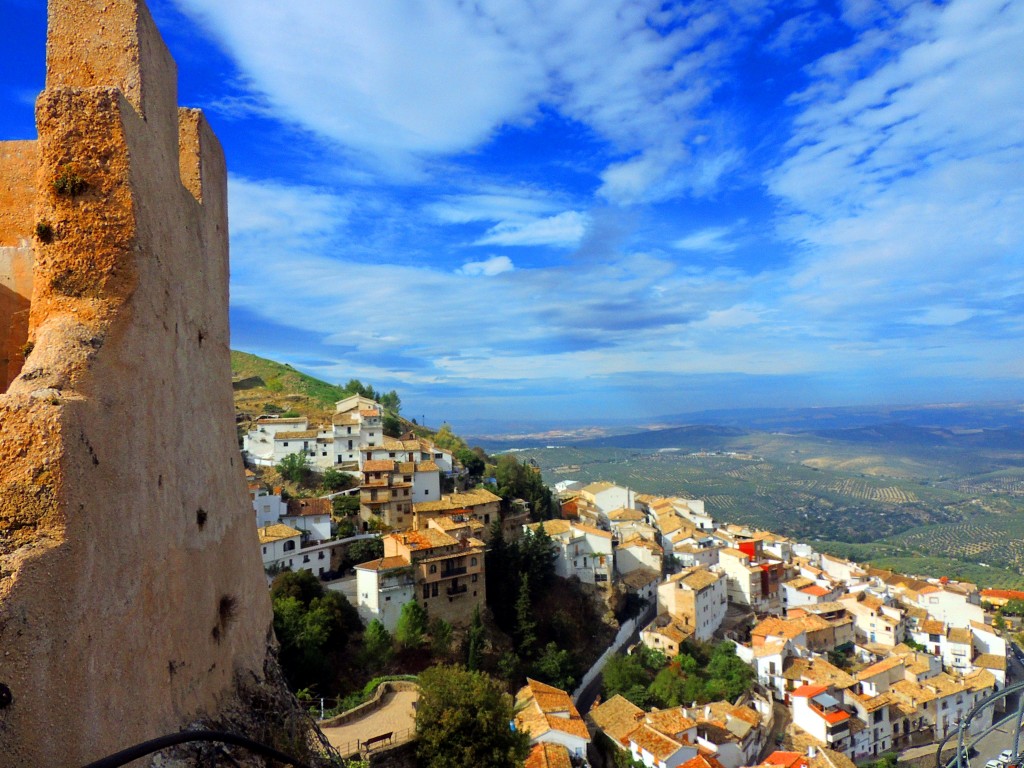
963 746
126 756
360 746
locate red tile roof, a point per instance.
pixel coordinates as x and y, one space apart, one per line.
809 691
306 507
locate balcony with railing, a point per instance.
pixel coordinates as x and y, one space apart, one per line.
457 590
448 573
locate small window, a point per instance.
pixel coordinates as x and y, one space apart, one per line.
320 556
286 444
475 576
433 568
472 561
264 550
426 591
288 546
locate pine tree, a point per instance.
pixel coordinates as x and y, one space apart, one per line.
526 627
476 641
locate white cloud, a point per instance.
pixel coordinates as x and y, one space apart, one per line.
380 77
487 268
563 230
714 239
798 30
512 205
302 215
399 81
905 185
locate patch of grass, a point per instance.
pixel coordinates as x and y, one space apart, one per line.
69 181
44 231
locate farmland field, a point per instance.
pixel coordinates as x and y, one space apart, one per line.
930 524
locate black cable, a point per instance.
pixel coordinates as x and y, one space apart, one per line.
161 742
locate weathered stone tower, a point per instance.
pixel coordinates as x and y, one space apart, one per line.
132 599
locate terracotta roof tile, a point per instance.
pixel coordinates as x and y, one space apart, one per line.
307 507
657 744
276 532
618 717
670 721
548 755
544 708
452 501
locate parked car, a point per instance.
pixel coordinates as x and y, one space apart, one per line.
1005 757
993 763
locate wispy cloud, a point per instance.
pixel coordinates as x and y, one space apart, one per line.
713 239
504 192
564 229
904 185
487 268
398 82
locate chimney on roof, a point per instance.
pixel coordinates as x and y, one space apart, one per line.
812 751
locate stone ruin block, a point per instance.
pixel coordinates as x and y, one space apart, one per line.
132 596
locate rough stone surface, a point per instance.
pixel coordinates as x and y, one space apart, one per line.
132 597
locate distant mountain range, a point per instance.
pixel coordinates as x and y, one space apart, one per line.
998 426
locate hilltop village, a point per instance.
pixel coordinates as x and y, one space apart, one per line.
844 663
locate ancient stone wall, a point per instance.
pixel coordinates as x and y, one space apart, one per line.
19 161
132 597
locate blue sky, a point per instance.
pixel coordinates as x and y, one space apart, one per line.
569 210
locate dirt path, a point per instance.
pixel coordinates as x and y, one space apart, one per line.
396 716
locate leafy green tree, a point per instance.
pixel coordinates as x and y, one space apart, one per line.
445 438
502 574
509 667
1014 608
471 462
345 506
669 687
309 631
346 528
377 648
356 387
622 674
391 401
537 558
302 585
392 425
556 666
365 550
412 625
294 468
462 721
334 480
441 638
521 481
731 674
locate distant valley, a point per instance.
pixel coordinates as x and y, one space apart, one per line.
936 490
939 491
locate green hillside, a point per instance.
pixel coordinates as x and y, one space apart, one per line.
264 386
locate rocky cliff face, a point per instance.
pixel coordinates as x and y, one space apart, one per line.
132 597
